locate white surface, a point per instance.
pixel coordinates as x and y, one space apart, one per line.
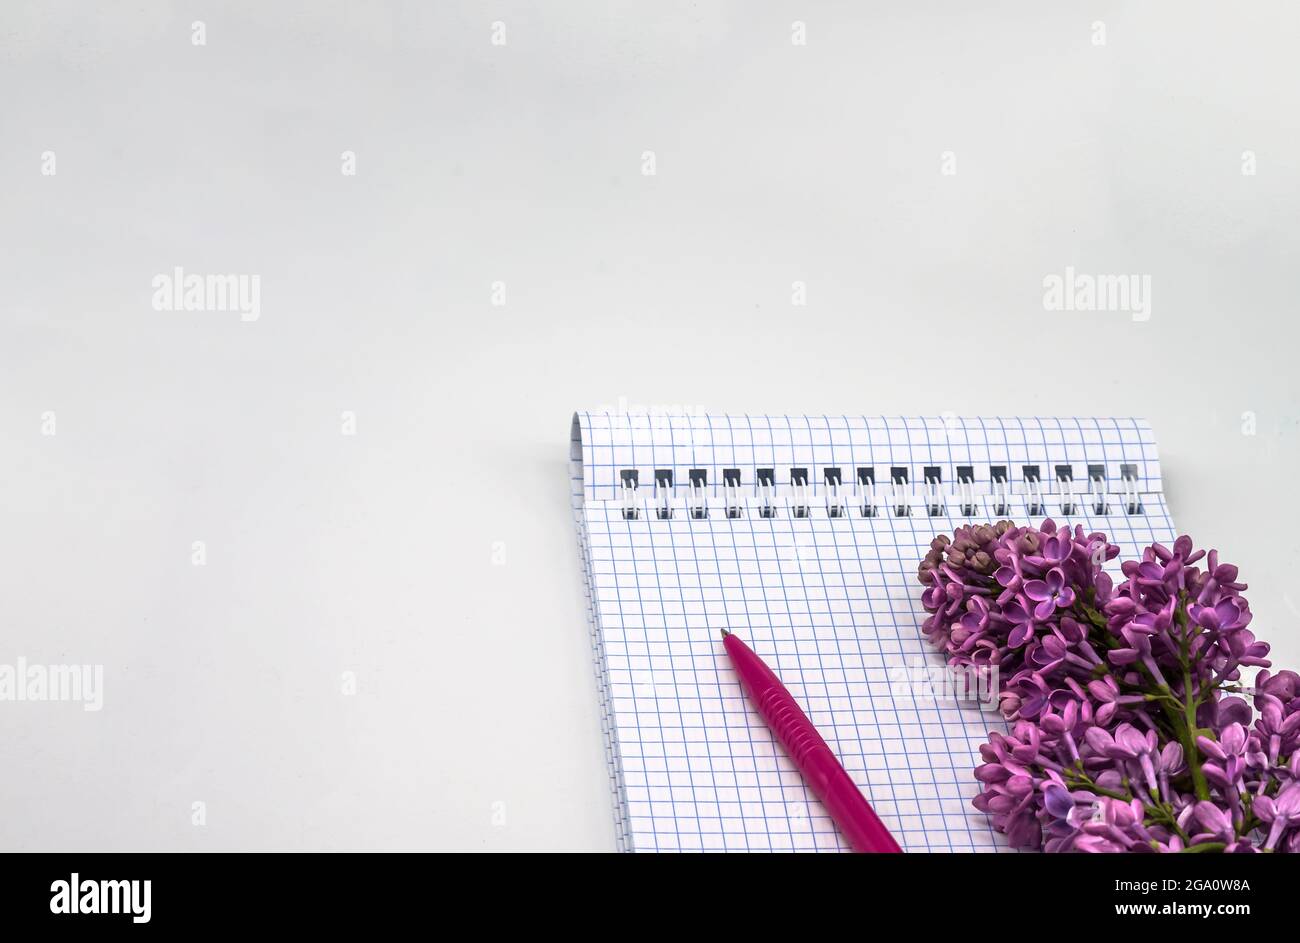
477 163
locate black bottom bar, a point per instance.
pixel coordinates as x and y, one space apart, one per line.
973 893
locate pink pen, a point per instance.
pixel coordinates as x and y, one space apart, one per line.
822 772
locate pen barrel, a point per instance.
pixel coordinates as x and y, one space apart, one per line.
838 793
790 724
849 809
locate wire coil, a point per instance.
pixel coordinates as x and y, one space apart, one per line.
906 493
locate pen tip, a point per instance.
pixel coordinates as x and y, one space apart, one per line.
725 633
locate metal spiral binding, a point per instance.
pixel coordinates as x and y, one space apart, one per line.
699 479
933 480
835 506
898 482
1132 496
998 475
966 489
731 492
867 491
1097 488
628 478
1034 487
799 489
1065 488
865 501
663 493
767 492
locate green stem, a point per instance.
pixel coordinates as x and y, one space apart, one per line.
1187 736
1187 732
1102 791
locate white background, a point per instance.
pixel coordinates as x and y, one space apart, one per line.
474 725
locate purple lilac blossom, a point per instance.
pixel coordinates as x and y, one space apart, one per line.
1131 726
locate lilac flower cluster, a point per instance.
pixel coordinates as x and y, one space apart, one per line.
1129 731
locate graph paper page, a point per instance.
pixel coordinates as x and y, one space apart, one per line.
830 602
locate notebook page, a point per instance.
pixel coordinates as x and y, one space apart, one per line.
617 791
831 603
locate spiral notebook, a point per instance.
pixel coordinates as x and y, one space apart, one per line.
803 534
